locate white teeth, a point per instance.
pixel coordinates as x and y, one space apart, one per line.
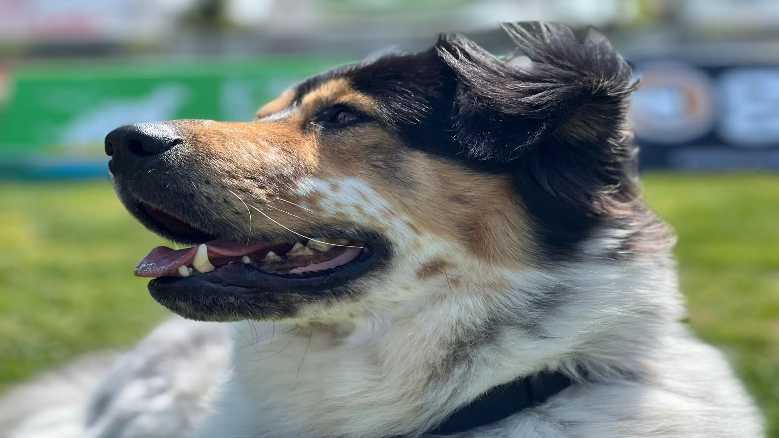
295 248
201 262
319 245
185 271
299 250
271 257
246 260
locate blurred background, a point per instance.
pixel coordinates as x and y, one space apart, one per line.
706 116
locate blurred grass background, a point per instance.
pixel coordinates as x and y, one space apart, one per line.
66 284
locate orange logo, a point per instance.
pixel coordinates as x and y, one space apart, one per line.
675 103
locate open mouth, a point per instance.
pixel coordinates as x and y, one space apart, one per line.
299 259
220 279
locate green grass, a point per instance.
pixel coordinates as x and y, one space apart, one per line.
728 252
68 251
66 284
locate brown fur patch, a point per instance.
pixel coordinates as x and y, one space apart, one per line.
432 268
488 219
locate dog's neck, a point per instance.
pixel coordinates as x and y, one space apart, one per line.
403 369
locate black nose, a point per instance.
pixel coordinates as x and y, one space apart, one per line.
143 139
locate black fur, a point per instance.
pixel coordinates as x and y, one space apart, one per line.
557 125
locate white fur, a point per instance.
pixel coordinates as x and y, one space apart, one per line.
386 364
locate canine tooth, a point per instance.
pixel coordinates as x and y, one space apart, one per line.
299 250
201 262
271 257
246 260
319 245
185 271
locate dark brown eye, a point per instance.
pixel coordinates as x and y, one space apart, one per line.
339 116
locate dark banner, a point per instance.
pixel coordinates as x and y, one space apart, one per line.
706 116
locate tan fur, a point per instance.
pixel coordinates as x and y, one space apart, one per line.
284 100
336 91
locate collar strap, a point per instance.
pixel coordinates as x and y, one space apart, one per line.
503 401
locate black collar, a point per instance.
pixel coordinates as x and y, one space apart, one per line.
503 401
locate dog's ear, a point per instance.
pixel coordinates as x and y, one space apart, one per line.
557 88
553 115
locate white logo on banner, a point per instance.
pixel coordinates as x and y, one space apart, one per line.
89 127
750 104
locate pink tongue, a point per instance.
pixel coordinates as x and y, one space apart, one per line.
163 261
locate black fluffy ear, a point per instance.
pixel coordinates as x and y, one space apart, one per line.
553 115
556 87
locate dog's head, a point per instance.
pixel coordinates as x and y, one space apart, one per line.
390 181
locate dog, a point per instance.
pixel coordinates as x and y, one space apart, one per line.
443 243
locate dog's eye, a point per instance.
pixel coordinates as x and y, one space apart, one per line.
339 116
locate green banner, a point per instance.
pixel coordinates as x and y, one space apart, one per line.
63 111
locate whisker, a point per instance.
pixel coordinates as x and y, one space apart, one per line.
301 235
226 219
251 231
291 214
254 330
295 204
229 222
232 223
305 352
